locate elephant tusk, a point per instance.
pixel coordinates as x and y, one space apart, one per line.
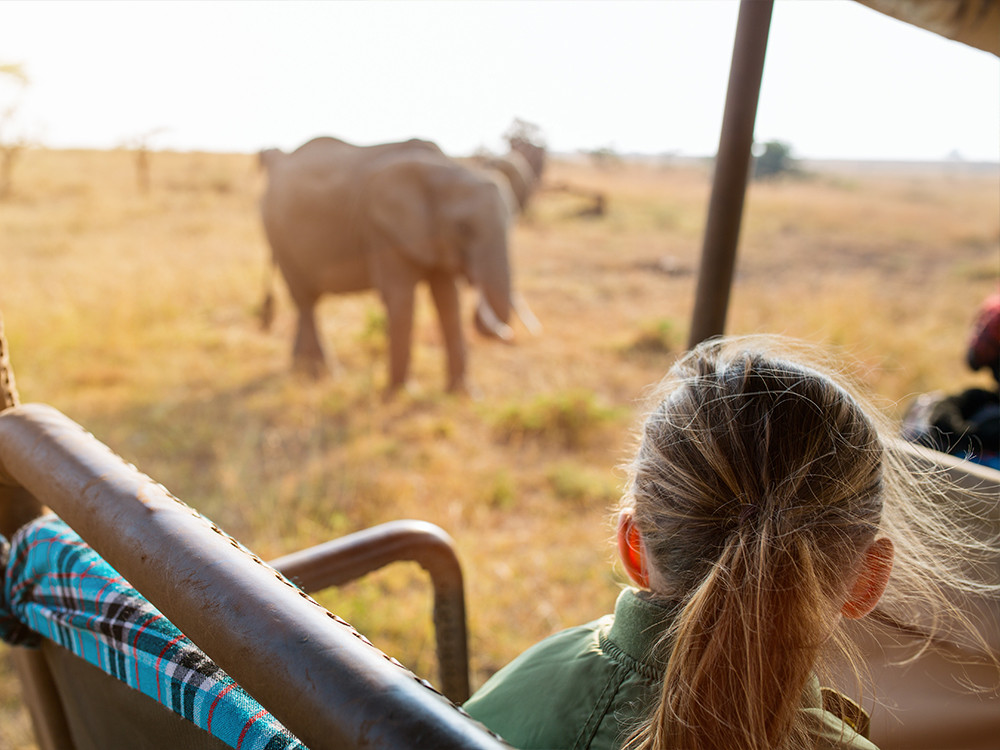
488 322
527 317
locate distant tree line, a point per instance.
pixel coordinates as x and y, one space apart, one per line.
774 159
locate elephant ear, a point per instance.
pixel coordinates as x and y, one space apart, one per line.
472 206
408 206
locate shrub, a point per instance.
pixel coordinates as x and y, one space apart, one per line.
575 483
655 337
374 337
570 419
502 491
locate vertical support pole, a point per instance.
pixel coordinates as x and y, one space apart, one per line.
732 165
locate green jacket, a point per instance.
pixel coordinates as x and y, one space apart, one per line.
585 688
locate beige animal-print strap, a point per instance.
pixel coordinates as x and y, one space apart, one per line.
8 389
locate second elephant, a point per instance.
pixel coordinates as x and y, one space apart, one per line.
343 218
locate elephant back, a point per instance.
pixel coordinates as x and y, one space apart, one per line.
327 158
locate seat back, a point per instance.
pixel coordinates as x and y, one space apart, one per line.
926 703
97 711
76 706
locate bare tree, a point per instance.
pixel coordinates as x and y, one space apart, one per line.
522 130
11 142
140 146
526 138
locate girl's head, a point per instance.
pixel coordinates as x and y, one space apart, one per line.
746 449
754 503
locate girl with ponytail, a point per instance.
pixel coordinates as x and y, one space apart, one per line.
763 508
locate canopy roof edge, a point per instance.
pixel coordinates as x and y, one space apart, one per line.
972 22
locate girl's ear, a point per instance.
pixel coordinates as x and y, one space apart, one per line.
868 587
630 549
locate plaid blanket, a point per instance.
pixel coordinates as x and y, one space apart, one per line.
55 585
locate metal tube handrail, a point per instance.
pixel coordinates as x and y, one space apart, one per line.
350 557
315 673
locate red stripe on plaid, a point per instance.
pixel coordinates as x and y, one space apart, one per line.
110 582
100 595
215 703
246 728
135 650
159 661
61 539
30 547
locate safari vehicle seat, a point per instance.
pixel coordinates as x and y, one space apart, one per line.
926 703
75 706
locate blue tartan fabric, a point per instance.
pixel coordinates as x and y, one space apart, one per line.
56 586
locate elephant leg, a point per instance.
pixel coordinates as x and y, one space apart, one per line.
399 305
444 291
307 353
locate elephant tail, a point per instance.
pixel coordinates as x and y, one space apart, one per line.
267 305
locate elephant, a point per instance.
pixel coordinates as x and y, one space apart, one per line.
517 171
532 152
342 218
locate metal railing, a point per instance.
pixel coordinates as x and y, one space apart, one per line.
312 670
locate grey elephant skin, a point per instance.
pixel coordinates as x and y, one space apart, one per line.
518 173
342 218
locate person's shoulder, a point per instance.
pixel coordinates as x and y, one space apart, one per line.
559 645
543 698
541 662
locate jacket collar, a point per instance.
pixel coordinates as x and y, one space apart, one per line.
637 628
640 623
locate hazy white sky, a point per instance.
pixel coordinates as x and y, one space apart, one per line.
841 81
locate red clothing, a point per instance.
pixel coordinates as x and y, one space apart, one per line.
984 343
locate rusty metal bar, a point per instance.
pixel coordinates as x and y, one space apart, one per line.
350 557
732 165
17 507
317 675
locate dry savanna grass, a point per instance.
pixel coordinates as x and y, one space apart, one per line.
134 313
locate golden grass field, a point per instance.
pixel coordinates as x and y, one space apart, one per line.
134 314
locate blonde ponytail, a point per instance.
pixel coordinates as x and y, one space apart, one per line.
756 488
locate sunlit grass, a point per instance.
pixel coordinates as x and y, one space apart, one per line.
569 419
135 314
